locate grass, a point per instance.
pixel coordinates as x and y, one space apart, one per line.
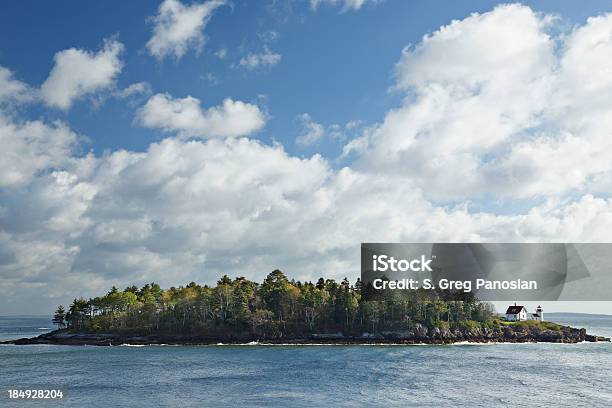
532 323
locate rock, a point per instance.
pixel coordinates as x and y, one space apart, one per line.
420 330
592 338
420 334
447 334
337 335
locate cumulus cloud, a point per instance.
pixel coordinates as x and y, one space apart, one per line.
495 108
161 214
186 117
12 90
135 89
312 132
31 147
191 210
266 59
179 27
77 73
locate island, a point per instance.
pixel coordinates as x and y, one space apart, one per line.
283 311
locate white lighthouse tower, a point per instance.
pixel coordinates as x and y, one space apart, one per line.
539 314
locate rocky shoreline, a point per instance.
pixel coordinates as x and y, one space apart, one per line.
420 335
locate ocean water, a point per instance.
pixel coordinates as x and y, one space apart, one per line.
15 327
519 375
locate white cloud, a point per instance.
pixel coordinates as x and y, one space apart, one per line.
345 4
521 120
137 88
77 73
31 147
179 27
13 90
313 131
466 52
266 59
358 145
221 54
192 210
186 117
269 36
155 215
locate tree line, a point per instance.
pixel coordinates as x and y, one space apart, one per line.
278 307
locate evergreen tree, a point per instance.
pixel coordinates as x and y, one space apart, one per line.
59 317
278 307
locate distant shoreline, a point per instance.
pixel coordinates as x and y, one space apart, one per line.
574 314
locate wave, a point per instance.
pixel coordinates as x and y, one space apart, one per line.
150 345
264 344
459 343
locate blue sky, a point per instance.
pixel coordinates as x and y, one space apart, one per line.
337 66
176 141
